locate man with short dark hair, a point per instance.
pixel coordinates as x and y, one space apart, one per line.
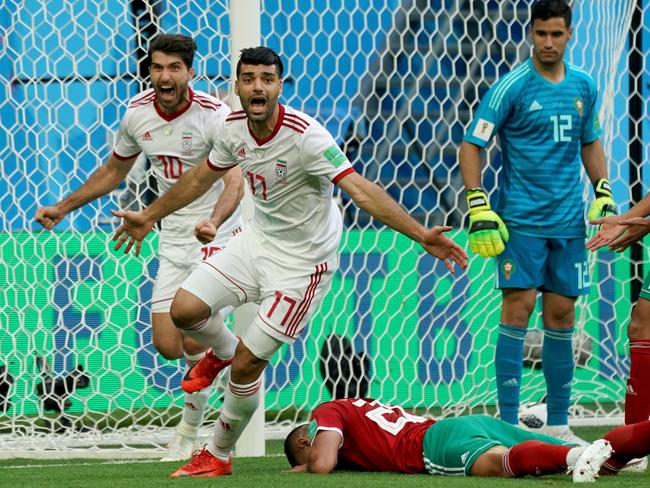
286 260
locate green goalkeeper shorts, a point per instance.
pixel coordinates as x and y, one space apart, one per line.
451 446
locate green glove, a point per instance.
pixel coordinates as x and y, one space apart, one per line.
487 232
603 205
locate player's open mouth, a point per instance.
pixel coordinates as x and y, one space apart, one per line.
258 103
167 91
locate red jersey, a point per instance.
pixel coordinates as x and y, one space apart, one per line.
374 436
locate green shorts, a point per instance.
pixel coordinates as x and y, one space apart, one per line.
451 446
645 291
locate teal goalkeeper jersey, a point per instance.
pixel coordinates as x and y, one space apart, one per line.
542 127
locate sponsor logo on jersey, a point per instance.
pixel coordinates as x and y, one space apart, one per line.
147 136
335 156
629 389
535 106
579 106
483 130
281 170
508 268
187 142
241 153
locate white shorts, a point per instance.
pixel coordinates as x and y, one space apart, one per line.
176 263
287 290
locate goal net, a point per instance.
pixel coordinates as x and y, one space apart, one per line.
395 82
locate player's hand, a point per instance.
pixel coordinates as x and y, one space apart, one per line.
635 229
205 231
603 205
49 216
609 229
133 230
443 248
487 232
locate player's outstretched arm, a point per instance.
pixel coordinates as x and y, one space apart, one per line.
103 181
620 231
136 225
381 206
233 191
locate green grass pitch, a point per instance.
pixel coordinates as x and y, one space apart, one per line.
267 472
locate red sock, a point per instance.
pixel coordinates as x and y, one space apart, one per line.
628 441
535 458
637 397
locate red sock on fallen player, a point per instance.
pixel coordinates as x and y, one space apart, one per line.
637 397
629 442
535 458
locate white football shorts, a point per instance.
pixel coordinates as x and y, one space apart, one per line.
176 263
288 289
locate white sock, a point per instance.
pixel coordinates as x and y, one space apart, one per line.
192 359
194 408
239 404
214 333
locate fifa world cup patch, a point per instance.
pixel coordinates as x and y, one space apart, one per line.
335 156
483 130
508 267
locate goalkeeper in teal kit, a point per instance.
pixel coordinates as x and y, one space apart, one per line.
545 113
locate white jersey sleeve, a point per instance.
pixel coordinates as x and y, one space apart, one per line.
321 156
126 146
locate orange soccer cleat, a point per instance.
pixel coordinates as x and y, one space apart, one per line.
203 373
204 464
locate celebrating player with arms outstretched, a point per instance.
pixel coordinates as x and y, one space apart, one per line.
286 260
545 112
174 126
365 435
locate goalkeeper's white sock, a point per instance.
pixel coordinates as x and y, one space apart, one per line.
239 404
214 333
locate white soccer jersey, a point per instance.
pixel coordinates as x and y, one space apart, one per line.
174 144
291 175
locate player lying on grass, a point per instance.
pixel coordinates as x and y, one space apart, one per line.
365 435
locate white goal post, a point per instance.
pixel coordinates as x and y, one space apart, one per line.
395 82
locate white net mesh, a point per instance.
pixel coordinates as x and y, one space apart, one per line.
395 83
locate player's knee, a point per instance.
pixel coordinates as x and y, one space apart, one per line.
187 310
490 463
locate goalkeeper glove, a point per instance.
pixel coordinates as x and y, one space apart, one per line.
603 205
487 232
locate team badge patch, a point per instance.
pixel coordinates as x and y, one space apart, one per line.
508 268
335 156
281 169
186 141
483 130
579 106
259 152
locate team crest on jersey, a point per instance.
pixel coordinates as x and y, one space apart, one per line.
259 152
187 142
508 268
281 170
579 106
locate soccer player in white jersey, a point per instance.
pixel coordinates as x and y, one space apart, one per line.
174 126
285 260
